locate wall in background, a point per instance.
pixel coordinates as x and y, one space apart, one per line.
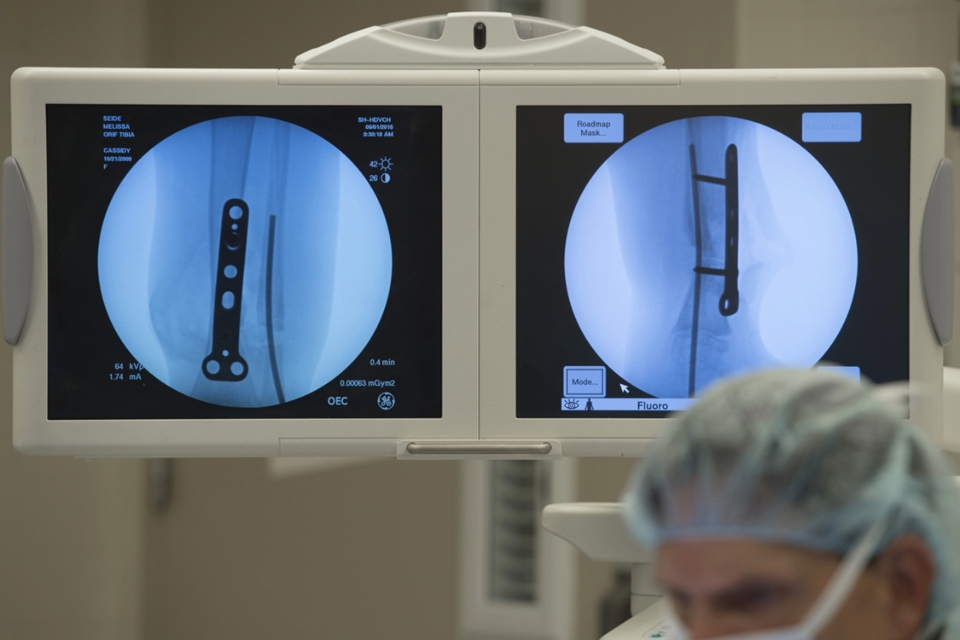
691 34
358 552
852 33
256 34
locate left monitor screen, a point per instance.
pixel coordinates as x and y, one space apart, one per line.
243 262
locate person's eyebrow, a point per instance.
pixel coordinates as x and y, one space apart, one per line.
751 591
742 585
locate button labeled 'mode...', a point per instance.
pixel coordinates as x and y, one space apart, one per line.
584 382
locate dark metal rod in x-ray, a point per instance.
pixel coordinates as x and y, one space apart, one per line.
695 327
271 345
729 301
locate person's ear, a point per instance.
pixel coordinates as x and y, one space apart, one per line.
907 565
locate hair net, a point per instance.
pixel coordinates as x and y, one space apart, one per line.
799 457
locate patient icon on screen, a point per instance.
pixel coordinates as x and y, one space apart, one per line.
245 261
706 247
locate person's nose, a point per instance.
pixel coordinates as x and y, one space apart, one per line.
703 623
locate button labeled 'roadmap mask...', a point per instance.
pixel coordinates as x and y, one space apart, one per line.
593 127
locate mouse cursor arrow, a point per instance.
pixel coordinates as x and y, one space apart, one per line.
624 388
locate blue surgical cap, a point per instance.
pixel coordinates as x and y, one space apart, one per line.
807 458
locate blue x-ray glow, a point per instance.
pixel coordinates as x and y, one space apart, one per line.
331 259
631 251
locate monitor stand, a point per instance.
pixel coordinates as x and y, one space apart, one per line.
597 529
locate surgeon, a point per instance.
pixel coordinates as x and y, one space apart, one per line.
793 505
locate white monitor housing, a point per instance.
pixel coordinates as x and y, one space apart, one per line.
467 235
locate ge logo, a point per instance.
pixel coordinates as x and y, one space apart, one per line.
386 401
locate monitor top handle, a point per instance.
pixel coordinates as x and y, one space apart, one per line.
478 40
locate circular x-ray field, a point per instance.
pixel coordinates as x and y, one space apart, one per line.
694 214
245 261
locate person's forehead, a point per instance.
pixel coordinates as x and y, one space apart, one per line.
706 564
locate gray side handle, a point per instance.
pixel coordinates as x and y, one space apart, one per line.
16 227
936 252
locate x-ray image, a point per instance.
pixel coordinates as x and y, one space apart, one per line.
245 261
705 247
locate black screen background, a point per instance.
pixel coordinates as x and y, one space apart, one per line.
873 176
83 346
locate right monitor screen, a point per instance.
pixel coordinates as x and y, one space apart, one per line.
662 248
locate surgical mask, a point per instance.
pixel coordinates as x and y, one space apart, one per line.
834 594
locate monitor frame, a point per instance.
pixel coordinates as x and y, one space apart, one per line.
453 90
479 246
503 91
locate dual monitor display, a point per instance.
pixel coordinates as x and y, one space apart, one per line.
251 262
